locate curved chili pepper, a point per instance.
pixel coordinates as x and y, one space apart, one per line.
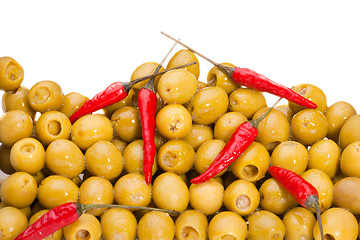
114 93
254 80
240 140
302 191
147 102
65 214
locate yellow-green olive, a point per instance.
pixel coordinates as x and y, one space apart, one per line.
11 74
182 57
247 101
227 225
46 96
264 225
17 101
311 92
217 78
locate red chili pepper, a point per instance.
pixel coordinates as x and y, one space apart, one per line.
240 140
302 191
115 92
147 102
254 80
65 214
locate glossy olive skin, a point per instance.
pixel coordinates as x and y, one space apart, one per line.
51 126
28 155
264 225
12 222
156 225
18 190
226 125
183 57
46 96
325 155
103 159
242 197
118 223
347 134
126 123
308 126
96 190
299 223
286 111
89 129
336 115
208 104
173 121
56 190
247 101
191 224
58 235
72 102
252 164
17 101
11 74
207 197
273 129
217 78
64 158
15 125
120 144
177 86
134 158
170 192
349 163
290 155
227 225
176 156
274 198
144 70
131 189
206 154
347 194
323 184
86 227
127 101
338 224
198 135
311 92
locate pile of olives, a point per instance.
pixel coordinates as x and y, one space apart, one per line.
48 161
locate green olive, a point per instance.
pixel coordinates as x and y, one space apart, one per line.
347 194
17 101
11 74
15 125
198 135
182 57
227 225
126 123
311 92
177 86
156 225
51 126
28 155
264 225
208 105
349 161
118 223
86 227
299 223
347 134
191 224
217 78
12 223
72 102
144 70
247 101
18 190
226 125
46 96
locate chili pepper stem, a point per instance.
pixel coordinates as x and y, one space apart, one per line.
255 122
82 208
313 202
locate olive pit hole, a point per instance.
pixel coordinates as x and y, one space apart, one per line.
243 202
249 172
329 236
303 91
189 233
54 127
170 159
41 95
27 148
212 79
83 234
12 72
228 237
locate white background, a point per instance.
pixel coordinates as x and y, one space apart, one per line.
86 45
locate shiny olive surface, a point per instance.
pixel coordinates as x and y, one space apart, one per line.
12 222
198 135
217 78
347 134
183 57
208 105
311 92
126 123
46 96
144 70
72 102
349 161
347 194
191 224
227 225
86 227
11 74
299 223
118 223
264 225
17 101
247 101
156 225
226 125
